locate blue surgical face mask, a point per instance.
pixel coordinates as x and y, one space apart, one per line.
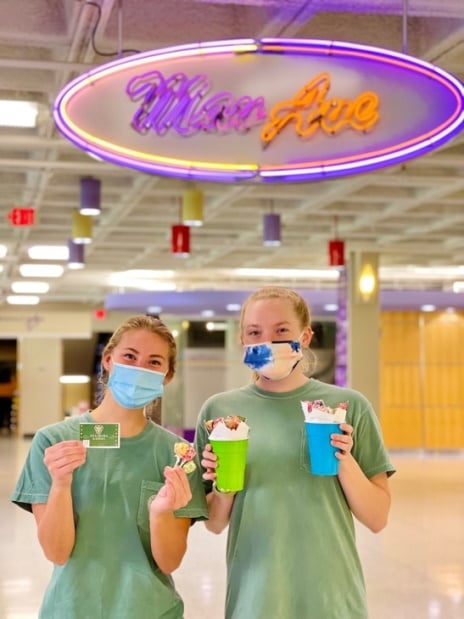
273 360
134 387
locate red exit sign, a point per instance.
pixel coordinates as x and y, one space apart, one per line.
22 216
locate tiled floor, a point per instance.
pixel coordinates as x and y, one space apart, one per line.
414 569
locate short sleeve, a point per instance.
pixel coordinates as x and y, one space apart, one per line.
33 485
202 439
369 449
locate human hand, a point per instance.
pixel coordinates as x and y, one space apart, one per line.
62 459
174 494
343 442
209 462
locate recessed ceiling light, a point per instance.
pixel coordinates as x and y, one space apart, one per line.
154 309
30 287
15 113
207 313
41 270
22 299
428 308
331 307
233 307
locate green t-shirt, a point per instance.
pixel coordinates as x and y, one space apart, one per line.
291 551
111 573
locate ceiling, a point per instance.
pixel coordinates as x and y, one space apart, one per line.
412 214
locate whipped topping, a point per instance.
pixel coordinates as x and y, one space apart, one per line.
317 411
231 428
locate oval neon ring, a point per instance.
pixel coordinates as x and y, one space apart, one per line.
261 110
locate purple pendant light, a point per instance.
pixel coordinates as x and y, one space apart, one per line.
271 230
76 259
90 196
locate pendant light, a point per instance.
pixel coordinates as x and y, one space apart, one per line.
180 240
192 206
76 258
89 203
336 249
271 230
81 228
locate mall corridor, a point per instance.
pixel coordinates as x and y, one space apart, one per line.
414 569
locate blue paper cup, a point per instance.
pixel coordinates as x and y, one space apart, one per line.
322 460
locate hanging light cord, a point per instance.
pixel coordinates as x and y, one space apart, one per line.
94 30
405 27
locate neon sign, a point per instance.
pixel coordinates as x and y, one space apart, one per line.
181 104
267 110
310 110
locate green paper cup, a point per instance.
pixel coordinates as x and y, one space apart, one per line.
322 460
231 459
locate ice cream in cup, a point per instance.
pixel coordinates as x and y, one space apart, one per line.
229 439
320 422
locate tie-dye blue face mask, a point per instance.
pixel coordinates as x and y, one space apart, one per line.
273 360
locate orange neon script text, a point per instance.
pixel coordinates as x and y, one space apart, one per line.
311 109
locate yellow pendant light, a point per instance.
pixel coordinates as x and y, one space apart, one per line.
81 228
192 207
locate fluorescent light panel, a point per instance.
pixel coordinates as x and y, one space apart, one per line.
22 299
143 284
30 287
18 113
216 326
41 270
458 286
143 279
74 379
328 274
48 252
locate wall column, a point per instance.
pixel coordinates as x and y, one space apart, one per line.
237 373
40 394
172 415
364 326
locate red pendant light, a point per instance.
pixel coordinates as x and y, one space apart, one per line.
180 240
336 249
336 253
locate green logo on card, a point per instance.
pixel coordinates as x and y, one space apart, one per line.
99 435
